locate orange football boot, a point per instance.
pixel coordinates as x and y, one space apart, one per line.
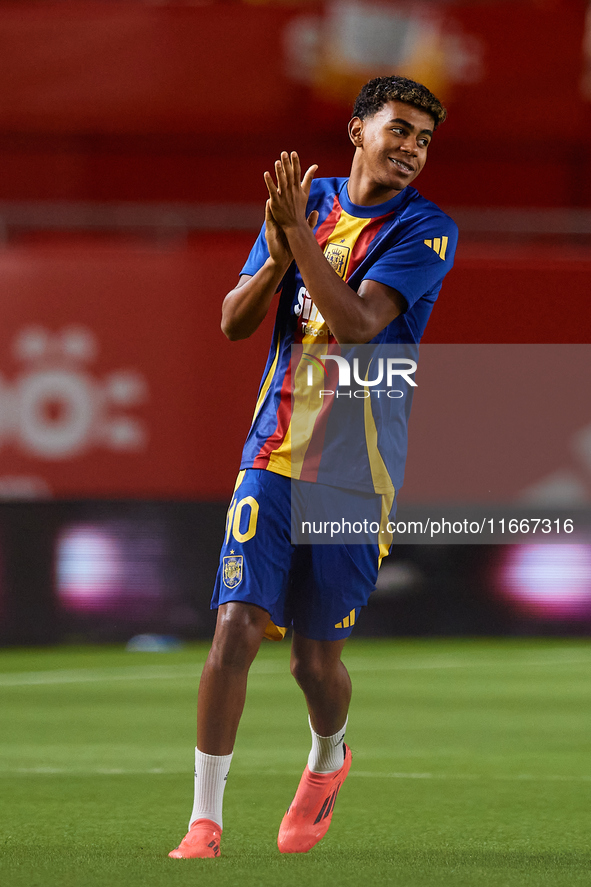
308 817
202 841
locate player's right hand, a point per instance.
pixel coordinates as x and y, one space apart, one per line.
277 241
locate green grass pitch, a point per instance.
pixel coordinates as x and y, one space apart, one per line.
471 766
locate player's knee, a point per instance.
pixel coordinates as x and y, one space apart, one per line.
309 672
238 634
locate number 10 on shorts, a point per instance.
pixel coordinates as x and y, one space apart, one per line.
235 519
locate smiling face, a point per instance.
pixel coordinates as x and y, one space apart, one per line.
391 151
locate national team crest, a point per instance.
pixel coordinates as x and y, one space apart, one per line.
338 256
232 570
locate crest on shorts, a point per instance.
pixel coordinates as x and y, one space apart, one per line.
232 570
338 256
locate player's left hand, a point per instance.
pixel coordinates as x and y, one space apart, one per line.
277 242
288 197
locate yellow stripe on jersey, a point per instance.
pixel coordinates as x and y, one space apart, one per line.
382 482
267 383
288 458
337 252
280 459
315 330
385 536
342 240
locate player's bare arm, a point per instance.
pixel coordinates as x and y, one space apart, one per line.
353 317
246 306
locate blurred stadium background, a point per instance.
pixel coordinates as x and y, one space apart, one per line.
133 138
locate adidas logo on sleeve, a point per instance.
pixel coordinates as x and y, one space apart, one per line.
439 244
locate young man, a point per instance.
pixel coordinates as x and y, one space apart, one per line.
357 260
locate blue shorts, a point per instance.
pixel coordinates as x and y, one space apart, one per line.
318 589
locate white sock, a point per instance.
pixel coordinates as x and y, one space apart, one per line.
211 772
327 753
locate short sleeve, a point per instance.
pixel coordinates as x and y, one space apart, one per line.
419 261
258 254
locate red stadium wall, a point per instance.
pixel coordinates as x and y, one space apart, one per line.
103 100
116 381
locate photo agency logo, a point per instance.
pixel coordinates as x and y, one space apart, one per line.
350 405
354 375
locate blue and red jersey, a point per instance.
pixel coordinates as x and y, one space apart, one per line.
408 244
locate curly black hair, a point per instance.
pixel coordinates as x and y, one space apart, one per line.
380 90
